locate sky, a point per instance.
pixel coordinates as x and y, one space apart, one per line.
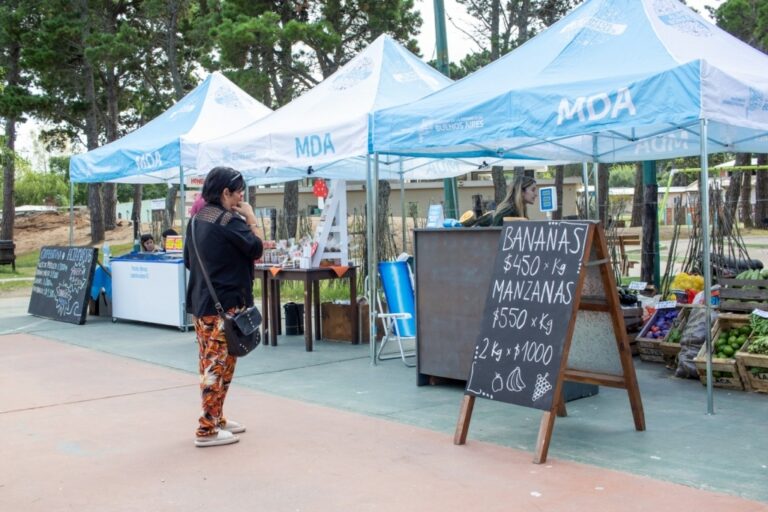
459 44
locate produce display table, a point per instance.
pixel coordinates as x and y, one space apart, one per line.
311 278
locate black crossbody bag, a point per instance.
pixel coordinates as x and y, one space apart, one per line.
242 329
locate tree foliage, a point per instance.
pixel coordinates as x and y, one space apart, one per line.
500 27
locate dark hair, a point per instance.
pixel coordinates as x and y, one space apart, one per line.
217 180
144 238
170 232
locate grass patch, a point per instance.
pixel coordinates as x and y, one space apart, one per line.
25 267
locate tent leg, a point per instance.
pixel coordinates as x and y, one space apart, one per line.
182 200
71 214
402 207
704 195
585 181
371 267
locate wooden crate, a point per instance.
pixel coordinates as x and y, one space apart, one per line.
633 318
743 295
724 371
747 365
650 348
337 323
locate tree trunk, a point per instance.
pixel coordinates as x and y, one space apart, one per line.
650 223
291 207
109 190
495 42
637 197
252 197
174 8
178 89
136 210
746 196
499 184
91 130
559 179
602 193
761 193
734 191
385 250
9 169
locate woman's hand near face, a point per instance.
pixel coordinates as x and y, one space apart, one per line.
246 210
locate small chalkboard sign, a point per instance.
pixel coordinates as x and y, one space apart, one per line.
62 283
546 276
533 287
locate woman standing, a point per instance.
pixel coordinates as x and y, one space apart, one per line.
521 194
225 235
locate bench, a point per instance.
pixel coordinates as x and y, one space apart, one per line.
7 254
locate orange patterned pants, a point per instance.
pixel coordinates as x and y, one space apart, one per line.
216 370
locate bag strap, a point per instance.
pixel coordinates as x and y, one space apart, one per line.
217 304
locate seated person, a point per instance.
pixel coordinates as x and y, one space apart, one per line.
166 234
147 243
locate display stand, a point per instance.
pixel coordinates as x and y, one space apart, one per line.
333 226
552 315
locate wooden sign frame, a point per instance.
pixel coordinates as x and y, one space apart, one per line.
595 246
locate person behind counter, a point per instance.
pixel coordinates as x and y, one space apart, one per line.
168 232
147 243
226 241
522 192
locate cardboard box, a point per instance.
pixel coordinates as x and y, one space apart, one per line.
336 323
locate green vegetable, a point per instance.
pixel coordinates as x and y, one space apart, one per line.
759 325
759 345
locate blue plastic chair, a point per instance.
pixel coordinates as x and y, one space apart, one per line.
399 320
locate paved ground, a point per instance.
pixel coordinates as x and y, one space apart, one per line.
101 417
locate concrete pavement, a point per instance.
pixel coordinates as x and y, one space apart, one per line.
101 417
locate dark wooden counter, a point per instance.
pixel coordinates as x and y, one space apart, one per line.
453 272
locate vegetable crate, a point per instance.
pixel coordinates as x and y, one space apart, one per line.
725 373
743 295
653 333
753 369
670 345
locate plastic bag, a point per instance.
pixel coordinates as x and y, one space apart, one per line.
691 342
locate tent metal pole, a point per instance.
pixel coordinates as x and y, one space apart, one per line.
182 200
595 169
71 213
585 182
402 205
704 195
373 255
369 252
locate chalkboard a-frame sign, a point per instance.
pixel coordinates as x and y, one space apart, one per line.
548 274
63 283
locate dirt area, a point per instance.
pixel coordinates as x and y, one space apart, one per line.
34 230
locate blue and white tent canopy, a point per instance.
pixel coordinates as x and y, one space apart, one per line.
155 152
327 127
614 80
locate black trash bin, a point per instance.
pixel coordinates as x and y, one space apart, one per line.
294 318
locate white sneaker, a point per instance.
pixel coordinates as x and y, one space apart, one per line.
234 427
221 437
